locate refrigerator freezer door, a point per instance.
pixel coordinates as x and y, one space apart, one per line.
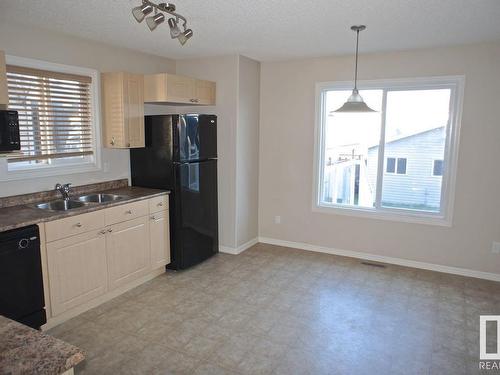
195 138
195 216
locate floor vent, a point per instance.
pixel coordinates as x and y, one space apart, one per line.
374 264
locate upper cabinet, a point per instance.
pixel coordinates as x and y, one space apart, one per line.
123 109
4 97
176 89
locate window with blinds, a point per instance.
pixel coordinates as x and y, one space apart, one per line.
55 116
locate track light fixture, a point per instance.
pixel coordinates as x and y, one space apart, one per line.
140 12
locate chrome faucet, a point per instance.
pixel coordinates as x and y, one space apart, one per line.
64 190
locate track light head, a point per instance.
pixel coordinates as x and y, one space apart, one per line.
174 28
141 11
155 20
183 37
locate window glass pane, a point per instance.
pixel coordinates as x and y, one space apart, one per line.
391 165
438 168
416 122
349 170
401 166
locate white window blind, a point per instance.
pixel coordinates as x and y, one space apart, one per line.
55 114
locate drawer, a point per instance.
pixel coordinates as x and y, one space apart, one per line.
70 226
157 204
126 212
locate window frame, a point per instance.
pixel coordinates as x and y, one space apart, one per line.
442 218
62 168
396 164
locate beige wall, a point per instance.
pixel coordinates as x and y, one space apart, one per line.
25 41
247 151
224 71
286 159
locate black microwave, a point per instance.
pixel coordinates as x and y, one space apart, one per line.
9 131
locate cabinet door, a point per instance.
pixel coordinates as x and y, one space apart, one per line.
160 239
4 97
113 108
180 89
205 92
128 249
134 107
77 270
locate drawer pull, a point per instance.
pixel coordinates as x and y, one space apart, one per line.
78 225
128 212
102 232
153 217
160 204
110 230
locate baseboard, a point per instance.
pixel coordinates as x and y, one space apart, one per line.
383 259
239 249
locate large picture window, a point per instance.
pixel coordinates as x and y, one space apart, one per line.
378 164
57 117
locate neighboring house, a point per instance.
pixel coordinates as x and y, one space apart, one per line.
413 169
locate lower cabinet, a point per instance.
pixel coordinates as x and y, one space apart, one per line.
127 250
159 234
83 266
77 270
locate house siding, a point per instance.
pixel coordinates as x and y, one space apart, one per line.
418 187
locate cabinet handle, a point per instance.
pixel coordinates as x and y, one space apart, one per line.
112 143
78 225
192 100
153 217
102 232
128 212
160 204
128 144
110 230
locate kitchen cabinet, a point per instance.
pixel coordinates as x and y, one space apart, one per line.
177 89
127 248
101 254
4 96
159 233
123 109
77 270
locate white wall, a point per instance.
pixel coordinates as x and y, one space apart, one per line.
247 151
26 41
286 159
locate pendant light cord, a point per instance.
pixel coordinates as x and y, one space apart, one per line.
356 66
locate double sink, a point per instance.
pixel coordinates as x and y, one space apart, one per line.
65 205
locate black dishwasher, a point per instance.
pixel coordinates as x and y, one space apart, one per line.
21 285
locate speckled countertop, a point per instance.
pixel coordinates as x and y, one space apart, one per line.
22 215
24 350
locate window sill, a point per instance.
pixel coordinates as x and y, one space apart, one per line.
385 214
25 174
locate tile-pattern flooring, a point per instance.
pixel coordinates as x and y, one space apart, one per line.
275 310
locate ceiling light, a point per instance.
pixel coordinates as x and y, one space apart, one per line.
183 37
174 28
355 102
155 20
140 12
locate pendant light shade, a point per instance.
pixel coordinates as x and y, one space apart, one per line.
355 103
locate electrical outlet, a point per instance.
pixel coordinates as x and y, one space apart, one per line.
277 220
495 249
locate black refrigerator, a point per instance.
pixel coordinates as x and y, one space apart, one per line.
181 156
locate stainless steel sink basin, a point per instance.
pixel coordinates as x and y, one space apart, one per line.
100 198
60 205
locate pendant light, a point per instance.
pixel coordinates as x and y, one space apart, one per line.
355 103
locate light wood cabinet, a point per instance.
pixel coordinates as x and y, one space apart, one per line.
127 247
159 233
177 89
4 96
123 109
77 270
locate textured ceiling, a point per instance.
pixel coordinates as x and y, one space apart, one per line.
271 30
